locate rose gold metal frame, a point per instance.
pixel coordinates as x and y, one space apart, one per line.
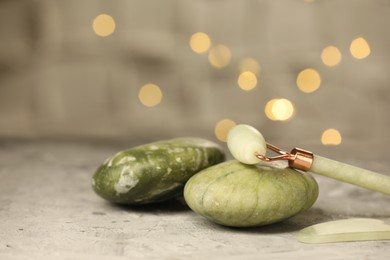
298 158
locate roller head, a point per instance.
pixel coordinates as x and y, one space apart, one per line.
244 141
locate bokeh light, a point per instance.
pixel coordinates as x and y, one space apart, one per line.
247 80
268 109
331 56
103 25
249 64
222 129
219 56
150 95
331 136
359 48
279 109
308 80
200 42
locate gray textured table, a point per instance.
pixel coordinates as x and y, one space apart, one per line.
49 211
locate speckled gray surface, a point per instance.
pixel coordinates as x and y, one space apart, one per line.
49 211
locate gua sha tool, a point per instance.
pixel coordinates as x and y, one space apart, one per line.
248 146
355 229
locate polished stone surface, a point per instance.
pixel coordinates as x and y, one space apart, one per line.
49 211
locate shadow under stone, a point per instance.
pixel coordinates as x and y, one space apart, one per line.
310 217
171 206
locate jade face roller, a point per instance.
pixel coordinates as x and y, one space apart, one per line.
248 146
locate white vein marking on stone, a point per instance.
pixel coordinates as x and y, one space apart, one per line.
178 159
108 161
126 182
169 170
93 182
126 159
178 150
111 159
153 147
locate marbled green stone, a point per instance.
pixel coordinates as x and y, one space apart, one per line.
154 172
240 195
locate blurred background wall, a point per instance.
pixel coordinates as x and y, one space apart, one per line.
157 69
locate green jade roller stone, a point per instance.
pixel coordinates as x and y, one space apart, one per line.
154 172
241 195
246 143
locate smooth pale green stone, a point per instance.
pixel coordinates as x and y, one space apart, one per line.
241 195
154 172
346 230
244 141
351 174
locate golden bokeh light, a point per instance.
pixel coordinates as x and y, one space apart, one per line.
331 137
283 109
200 42
331 56
359 48
249 64
247 80
222 129
268 109
103 25
219 56
150 95
308 80
279 109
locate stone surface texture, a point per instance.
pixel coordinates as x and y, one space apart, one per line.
49 211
